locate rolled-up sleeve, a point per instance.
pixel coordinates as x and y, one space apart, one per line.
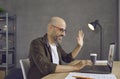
66 57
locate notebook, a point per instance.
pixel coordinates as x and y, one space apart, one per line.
102 69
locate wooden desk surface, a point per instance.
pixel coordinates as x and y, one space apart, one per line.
116 71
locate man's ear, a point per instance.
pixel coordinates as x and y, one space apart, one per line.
50 27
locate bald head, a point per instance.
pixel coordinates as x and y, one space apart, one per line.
56 29
57 21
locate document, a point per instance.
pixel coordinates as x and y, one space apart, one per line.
75 75
101 62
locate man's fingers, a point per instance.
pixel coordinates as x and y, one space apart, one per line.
81 33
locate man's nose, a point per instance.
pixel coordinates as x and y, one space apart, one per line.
64 33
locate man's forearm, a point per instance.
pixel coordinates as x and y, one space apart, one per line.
65 68
79 43
76 51
74 67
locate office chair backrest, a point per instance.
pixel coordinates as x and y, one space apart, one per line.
25 65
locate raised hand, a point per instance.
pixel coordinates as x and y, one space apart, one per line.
80 37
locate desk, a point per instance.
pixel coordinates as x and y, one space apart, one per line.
116 71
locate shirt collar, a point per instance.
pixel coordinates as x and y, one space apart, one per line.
45 39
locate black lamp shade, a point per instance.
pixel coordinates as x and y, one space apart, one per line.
93 25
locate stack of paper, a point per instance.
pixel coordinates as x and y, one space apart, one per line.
75 75
101 62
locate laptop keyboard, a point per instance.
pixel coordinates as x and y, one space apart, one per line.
96 69
100 67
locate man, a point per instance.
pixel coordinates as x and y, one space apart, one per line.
46 53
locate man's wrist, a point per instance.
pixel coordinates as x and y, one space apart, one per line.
75 68
79 45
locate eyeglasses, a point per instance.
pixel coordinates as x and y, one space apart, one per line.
60 29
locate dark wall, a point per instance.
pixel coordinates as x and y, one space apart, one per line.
33 17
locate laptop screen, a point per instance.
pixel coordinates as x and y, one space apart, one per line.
111 54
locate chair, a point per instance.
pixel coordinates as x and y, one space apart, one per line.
25 65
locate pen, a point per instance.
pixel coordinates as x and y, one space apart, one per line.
80 77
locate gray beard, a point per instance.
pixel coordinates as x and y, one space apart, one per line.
57 41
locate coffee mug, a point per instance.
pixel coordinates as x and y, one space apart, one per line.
93 57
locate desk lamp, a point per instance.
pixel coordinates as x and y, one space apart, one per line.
93 26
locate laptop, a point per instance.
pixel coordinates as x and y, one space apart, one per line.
102 69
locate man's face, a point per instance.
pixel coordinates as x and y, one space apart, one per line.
59 32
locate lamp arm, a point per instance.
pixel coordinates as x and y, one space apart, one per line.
101 38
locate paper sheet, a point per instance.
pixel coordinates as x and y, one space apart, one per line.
89 75
101 62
